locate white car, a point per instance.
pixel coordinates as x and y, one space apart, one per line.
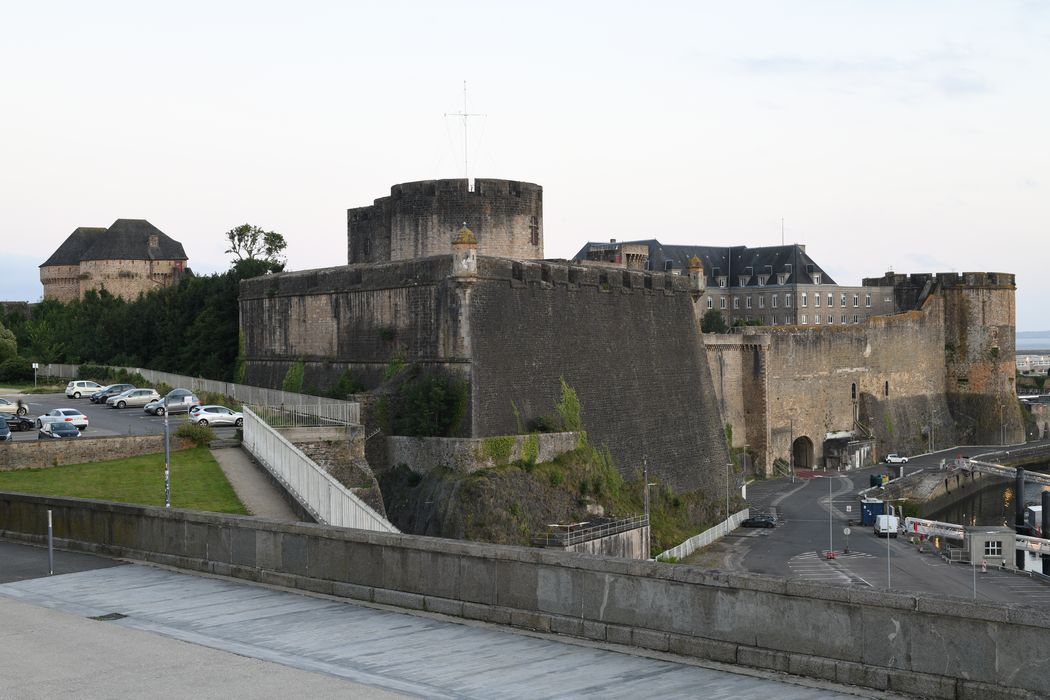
896 459
63 415
132 397
17 408
81 387
215 415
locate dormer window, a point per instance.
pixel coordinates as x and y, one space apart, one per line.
762 279
742 280
816 278
722 281
782 278
668 265
154 241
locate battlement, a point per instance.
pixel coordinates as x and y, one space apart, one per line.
945 280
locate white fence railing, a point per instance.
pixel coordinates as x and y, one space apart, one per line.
254 395
706 537
328 501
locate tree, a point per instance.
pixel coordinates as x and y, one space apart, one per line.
8 345
249 242
713 322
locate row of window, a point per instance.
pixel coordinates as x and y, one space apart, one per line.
831 300
804 319
782 277
775 301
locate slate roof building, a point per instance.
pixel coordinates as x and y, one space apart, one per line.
130 257
770 286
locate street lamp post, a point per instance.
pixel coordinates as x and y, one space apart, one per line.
167 461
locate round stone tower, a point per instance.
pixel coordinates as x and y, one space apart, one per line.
420 219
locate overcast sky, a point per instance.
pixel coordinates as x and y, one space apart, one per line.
906 135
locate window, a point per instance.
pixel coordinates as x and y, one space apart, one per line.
816 319
993 548
843 301
787 301
722 282
776 300
805 300
867 300
721 302
886 389
736 302
853 391
534 231
844 318
831 300
856 318
802 319
856 301
761 301
772 320
710 302
816 300
831 319
749 301
781 277
816 278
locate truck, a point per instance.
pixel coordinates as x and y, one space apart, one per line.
886 525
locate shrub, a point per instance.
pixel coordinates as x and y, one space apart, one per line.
348 383
293 378
16 369
431 404
201 435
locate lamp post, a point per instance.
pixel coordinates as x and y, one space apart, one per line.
729 465
167 461
649 528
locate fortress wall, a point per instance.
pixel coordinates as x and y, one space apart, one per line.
353 317
811 373
420 219
626 341
61 282
738 371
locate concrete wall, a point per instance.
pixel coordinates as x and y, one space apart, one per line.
632 544
52 453
917 645
422 455
420 219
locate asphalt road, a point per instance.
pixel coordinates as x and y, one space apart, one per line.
809 528
102 419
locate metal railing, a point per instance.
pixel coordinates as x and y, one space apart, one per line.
577 533
316 416
327 500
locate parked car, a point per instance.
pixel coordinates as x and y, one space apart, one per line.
760 521
175 401
58 430
79 387
105 392
5 432
18 423
886 525
15 408
132 397
63 415
216 415
895 458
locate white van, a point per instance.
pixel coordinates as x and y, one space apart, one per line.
886 525
80 387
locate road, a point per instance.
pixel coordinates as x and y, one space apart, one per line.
102 419
809 527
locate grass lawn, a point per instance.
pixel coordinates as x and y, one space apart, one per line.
197 481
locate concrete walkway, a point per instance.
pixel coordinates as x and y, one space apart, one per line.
252 485
383 649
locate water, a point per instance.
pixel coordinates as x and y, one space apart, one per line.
992 505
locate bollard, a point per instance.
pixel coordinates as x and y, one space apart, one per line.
984 566
50 547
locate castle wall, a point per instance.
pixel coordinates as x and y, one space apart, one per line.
61 282
515 329
738 370
626 341
121 278
420 219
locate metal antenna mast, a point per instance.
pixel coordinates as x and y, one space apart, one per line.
465 114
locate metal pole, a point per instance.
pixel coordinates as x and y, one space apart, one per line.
888 583
728 466
50 547
831 546
648 526
167 461
973 564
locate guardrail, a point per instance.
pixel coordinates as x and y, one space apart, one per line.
322 415
327 500
706 537
577 533
244 393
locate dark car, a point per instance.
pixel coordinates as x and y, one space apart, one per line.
5 432
58 430
760 521
19 423
105 392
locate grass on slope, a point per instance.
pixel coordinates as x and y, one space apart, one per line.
197 481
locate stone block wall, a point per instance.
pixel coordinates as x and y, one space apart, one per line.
420 219
915 645
738 370
61 282
42 454
467 455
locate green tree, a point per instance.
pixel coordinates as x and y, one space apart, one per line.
8 344
251 243
713 322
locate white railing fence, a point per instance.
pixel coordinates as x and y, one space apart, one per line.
254 395
328 501
706 537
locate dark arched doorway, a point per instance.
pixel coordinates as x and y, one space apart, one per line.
802 452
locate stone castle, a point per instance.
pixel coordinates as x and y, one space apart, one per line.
129 258
447 277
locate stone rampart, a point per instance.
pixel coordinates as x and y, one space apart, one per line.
422 455
41 454
935 647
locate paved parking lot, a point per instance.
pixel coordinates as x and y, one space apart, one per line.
103 420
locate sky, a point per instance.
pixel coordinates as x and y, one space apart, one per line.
903 135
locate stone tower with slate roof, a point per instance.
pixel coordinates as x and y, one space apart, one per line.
130 257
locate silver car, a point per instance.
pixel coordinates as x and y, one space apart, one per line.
17 408
132 397
215 415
